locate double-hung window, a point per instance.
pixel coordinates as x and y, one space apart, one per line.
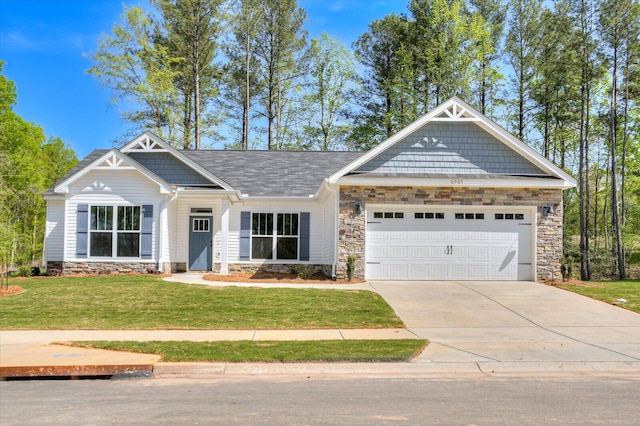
114 231
274 236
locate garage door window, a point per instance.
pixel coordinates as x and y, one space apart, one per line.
509 216
471 216
428 215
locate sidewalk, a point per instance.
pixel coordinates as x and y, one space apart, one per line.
34 353
477 349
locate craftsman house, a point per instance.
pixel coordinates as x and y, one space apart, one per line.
453 196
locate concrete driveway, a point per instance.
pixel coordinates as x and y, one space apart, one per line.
488 322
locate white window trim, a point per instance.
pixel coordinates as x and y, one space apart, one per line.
114 233
275 236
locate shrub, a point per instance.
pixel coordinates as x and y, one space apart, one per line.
23 271
351 266
304 271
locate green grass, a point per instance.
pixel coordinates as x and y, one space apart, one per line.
610 292
273 351
148 302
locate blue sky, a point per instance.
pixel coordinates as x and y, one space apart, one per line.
43 43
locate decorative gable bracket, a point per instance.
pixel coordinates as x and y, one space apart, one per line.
455 112
145 143
113 161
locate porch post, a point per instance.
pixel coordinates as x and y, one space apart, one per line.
224 236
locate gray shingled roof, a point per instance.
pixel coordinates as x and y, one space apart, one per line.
93 156
256 173
273 173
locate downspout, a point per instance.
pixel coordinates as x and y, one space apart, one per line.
336 245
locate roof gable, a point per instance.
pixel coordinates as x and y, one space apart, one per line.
451 147
111 160
148 144
456 148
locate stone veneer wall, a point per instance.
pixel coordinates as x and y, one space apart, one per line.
272 267
352 225
94 268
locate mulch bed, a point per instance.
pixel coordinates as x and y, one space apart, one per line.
275 277
12 289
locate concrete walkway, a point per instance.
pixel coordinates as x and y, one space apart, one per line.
475 328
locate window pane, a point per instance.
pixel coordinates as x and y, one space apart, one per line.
287 248
419 215
101 218
428 215
280 228
294 224
129 218
468 216
262 248
439 215
499 216
519 216
100 244
377 215
388 215
459 215
255 224
269 224
128 244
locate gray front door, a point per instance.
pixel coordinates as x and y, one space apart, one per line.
200 243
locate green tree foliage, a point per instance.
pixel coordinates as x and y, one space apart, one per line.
330 82
140 74
190 31
29 164
279 48
413 64
241 71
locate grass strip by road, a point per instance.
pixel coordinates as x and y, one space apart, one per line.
147 302
610 292
400 350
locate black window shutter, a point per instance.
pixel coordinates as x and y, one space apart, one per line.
245 235
146 236
304 235
82 228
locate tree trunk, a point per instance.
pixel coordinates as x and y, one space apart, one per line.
616 246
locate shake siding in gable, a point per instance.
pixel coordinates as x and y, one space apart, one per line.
110 187
54 232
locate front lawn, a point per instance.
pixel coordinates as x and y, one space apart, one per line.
148 302
610 292
273 351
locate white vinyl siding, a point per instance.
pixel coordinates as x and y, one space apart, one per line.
110 188
54 232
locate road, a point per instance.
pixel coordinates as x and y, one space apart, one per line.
297 401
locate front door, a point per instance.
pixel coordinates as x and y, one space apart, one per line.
200 243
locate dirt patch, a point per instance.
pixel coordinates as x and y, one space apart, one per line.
576 283
275 277
12 289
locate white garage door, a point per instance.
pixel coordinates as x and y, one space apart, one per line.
448 243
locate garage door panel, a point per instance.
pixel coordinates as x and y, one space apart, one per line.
463 249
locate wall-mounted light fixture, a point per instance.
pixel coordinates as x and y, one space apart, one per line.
357 207
547 209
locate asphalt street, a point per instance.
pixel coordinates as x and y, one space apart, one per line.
299 401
